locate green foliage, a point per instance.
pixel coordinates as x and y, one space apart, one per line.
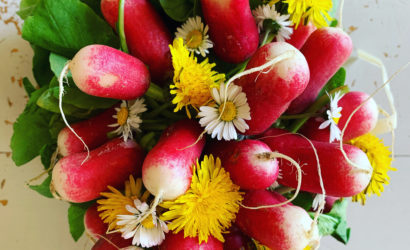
337 80
303 200
334 223
255 3
28 86
46 152
27 7
76 213
180 10
65 26
43 188
95 5
41 66
57 64
31 131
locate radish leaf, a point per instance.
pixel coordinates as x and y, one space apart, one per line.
43 188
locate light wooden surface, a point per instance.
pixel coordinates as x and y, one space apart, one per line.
30 221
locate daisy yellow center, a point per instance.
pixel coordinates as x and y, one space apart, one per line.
336 120
228 111
194 39
148 222
122 116
208 207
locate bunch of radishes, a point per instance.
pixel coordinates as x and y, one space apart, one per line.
288 87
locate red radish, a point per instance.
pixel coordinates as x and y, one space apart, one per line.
179 242
301 34
94 226
93 132
283 227
232 29
112 242
167 169
146 34
103 71
270 92
340 178
235 240
109 164
330 201
325 50
246 169
362 122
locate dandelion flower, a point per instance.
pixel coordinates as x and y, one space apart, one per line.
230 112
208 207
148 233
312 10
192 80
128 118
280 23
333 115
194 34
379 157
115 202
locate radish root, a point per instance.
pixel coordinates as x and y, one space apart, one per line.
61 80
274 155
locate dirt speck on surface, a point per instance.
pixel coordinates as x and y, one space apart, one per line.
4 202
14 50
351 29
385 54
9 102
20 81
7 122
2 183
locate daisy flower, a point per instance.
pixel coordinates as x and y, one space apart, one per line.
208 207
194 34
128 118
114 203
229 113
333 115
380 159
193 81
279 24
148 233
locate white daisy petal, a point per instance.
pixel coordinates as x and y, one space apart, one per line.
324 124
263 12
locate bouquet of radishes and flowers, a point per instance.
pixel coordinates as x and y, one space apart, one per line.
199 124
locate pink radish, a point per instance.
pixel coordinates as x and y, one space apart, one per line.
232 29
146 34
270 92
362 122
94 226
235 239
325 50
340 178
93 132
245 167
112 242
167 169
283 227
109 164
103 71
179 242
301 34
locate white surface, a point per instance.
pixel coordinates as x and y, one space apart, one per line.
30 221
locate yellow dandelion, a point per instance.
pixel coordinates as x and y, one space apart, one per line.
115 202
193 81
208 207
311 10
379 157
272 2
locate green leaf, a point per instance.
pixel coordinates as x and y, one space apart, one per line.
57 64
334 23
303 200
56 124
179 10
95 5
66 26
342 233
41 66
76 219
30 131
46 152
337 80
43 188
26 8
28 86
326 224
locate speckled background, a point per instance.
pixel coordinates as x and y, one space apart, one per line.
381 27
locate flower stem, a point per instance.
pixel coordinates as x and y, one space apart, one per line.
155 92
298 116
318 104
121 31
